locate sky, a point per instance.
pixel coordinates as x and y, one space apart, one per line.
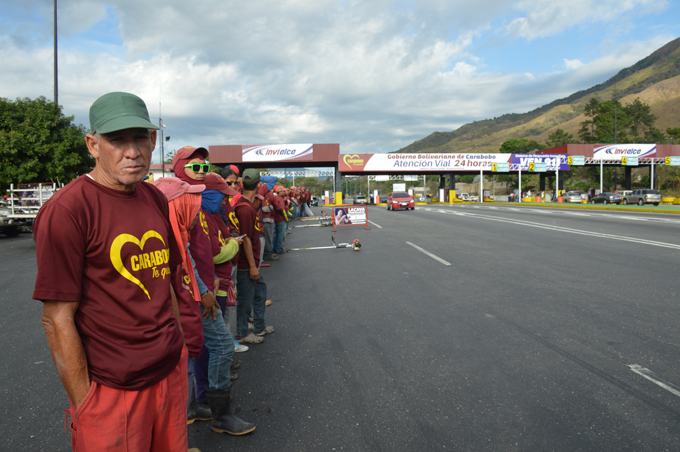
372 75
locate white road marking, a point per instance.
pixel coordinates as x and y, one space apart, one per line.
651 376
437 258
375 224
575 231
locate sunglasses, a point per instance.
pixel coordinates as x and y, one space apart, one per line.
197 167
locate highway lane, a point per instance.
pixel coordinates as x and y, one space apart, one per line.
522 343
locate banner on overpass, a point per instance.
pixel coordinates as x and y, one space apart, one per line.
521 161
278 152
437 163
616 151
396 163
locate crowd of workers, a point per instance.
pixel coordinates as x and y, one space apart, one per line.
138 281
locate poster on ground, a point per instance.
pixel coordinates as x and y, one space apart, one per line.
350 216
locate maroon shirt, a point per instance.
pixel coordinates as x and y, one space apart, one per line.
189 312
113 252
280 204
250 225
217 240
201 250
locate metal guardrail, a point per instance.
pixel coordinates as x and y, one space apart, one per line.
22 194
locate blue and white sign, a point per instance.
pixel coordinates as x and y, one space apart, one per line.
278 152
616 151
551 161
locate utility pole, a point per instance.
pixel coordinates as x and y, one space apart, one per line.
56 81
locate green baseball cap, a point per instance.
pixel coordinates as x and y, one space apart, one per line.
251 175
119 111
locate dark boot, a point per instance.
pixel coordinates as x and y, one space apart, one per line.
223 420
198 411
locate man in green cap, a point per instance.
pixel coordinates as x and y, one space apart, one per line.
105 252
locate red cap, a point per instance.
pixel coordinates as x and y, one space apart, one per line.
174 188
213 181
187 152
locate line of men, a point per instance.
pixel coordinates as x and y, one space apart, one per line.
136 282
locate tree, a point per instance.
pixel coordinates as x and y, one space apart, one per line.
641 122
634 123
674 134
39 144
519 146
559 138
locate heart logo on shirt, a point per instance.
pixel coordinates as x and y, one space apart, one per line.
117 261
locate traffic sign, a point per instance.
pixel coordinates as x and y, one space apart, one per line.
501 167
624 160
539 167
531 166
577 160
630 161
673 161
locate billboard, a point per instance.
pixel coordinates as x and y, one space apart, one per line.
278 152
616 151
399 163
437 163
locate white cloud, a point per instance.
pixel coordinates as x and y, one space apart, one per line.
549 17
373 76
572 64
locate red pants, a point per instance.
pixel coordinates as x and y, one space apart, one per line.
153 419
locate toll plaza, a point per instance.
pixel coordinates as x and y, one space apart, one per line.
548 163
627 156
450 165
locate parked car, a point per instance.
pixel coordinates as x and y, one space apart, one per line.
467 197
606 198
400 200
11 227
643 196
574 196
359 200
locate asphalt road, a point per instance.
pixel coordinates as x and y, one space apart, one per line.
523 342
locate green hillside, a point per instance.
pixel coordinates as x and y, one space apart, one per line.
655 79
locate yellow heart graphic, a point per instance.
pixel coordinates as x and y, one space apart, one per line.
117 262
349 156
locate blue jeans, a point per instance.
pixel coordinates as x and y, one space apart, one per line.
279 234
296 212
217 340
190 379
251 296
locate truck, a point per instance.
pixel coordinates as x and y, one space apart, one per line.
23 202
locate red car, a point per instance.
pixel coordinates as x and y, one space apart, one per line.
400 200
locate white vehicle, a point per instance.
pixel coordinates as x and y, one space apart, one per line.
467 197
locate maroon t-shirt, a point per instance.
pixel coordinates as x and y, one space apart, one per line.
201 250
250 225
217 240
113 252
189 312
279 205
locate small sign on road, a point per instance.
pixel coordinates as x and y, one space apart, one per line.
629 161
540 167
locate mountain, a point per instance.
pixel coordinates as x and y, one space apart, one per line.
655 80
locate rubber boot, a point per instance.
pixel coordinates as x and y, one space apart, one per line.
198 411
223 420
